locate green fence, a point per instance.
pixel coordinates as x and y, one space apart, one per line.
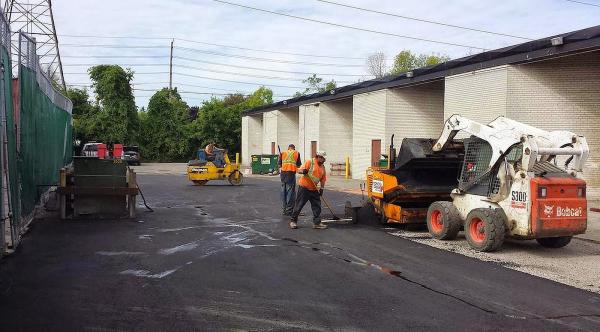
46 142
36 144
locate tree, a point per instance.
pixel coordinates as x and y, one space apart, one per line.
220 120
407 61
315 84
165 127
376 64
117 121
84 115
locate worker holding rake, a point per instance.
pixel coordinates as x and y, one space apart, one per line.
313 173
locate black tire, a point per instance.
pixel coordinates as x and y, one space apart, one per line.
485 229
443 220
200 182
232 178
554 242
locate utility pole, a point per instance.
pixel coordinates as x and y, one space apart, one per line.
171 68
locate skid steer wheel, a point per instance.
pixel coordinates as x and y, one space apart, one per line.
554 242
235 178
443 220
485 229
200 182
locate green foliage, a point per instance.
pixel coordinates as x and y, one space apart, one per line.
219 121
117 120
406 61
168 130
84 115
315 84
165 135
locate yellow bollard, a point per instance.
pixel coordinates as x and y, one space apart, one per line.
347 168
237 157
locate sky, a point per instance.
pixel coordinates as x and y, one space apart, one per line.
214 41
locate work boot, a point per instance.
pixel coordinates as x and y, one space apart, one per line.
293 225
320 226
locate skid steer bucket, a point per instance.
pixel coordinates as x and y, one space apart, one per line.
420 170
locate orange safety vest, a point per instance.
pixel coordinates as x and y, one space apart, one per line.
289 160
315 175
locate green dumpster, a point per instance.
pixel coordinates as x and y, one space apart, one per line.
265 164
383 163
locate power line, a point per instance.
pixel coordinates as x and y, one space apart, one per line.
584 3
208 78
268 69
123 65
207 93
249 75
210 53
273 52
230 92
201 86
133 83
116 56
227 65
136 73
213 71
239 82
215 44
347 26
114 46
423 20
264 59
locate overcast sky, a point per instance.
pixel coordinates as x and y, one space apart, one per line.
340 51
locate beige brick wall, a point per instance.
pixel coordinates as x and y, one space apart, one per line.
479 95
416 111
308 128
368 123
251 137
269 130
335 130
287 127
561 94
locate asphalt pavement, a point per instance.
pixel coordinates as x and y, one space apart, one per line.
218 257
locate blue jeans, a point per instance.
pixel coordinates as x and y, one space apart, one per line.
288 195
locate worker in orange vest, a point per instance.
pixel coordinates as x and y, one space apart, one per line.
313 174
289 161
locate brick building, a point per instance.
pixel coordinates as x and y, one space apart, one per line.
552 83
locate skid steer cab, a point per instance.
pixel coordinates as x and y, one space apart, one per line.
515 181
216 166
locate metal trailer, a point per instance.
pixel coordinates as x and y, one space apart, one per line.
99 188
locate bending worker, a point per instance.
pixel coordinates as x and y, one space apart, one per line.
313 174
289 161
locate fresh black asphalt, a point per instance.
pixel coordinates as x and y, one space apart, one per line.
219 257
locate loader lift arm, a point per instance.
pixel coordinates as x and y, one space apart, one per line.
503 133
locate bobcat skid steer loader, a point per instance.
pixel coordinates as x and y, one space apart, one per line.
516 181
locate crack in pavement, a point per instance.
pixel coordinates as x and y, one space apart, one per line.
359 261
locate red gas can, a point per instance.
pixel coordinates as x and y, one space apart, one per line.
118 151
102 151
